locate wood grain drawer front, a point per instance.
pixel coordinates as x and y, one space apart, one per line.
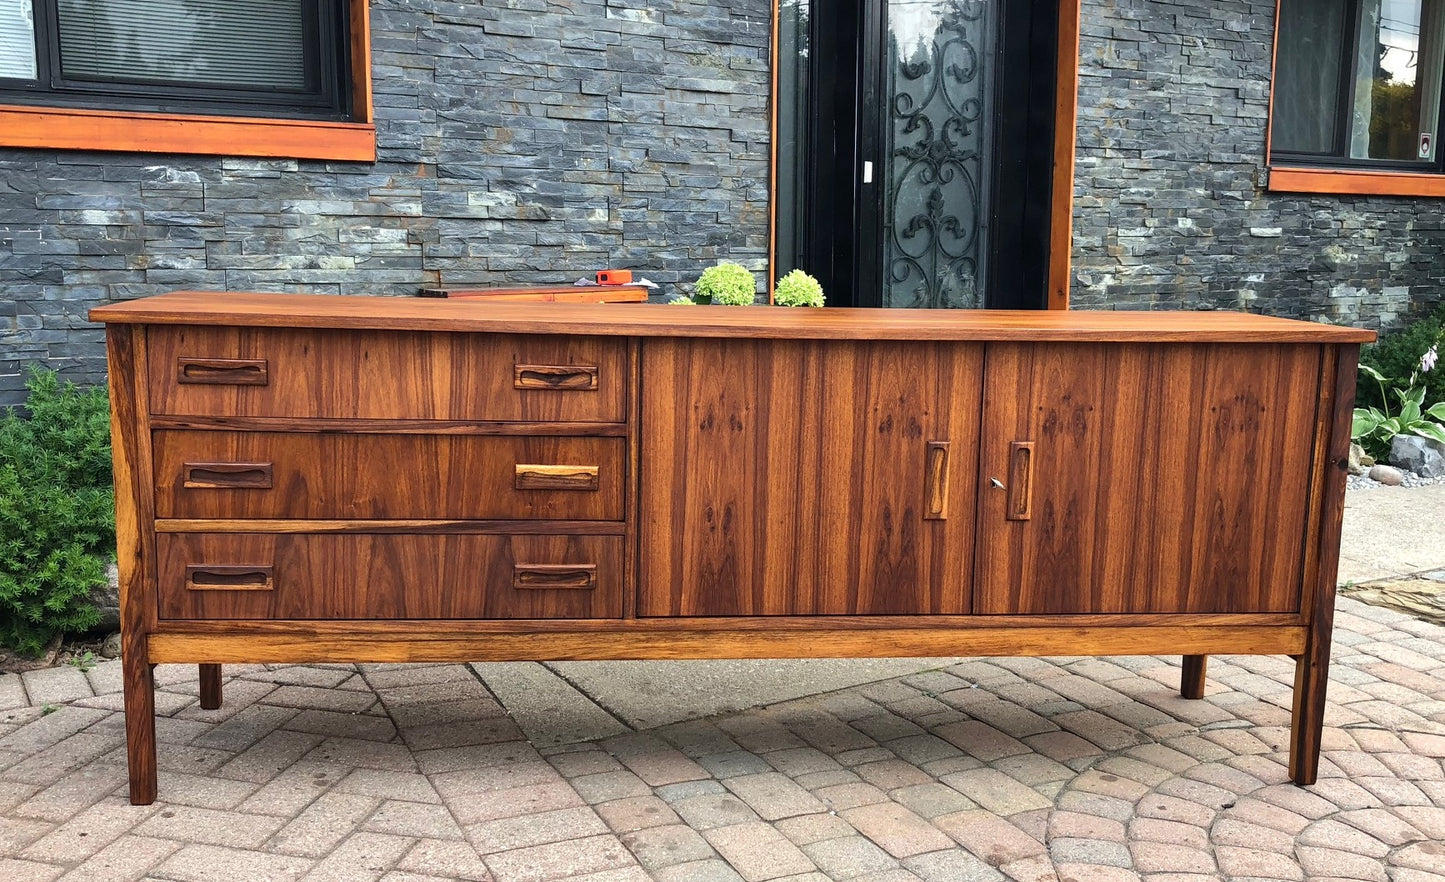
202 474
414 375
1134 478
388 576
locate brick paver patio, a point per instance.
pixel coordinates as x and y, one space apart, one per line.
1023 769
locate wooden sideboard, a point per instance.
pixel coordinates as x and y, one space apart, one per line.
305 478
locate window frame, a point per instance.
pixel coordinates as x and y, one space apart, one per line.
60 125
1318 173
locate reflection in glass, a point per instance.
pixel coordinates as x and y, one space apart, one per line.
17 40
938 103
1307 75
1397 80
794 97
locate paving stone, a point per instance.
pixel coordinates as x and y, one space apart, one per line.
1090 851
262 761
897 830
475 756
636 813
996 791
1175 832
1429 820
16 834
12 870
470 782
559 860
87 832
1381 825
125 859
698 871
773 796
846 796
991 838
323 825
417 820
12 692
210 827
387 784
1237 862
665 846
362 857
56 685
801 761
74 793
1231 831
1331 862
299 675
291 791
345 725
1170 857
198 863
609 786
807 829
525 831
850 857
952 866
728 765
714 810
932 800
528 799
758 852
1080 826
447 859
1094 873
1427 857
665 767
584 762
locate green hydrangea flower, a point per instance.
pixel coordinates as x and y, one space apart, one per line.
798 288
727 283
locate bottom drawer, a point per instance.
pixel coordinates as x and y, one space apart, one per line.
388 576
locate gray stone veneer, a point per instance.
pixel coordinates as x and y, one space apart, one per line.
525 141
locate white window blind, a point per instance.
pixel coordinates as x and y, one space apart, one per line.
256 44
17 40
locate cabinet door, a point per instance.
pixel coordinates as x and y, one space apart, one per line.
1135 478
807 477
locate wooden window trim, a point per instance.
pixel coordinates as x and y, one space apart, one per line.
121 130
1355 182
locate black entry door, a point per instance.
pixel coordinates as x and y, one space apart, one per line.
916 143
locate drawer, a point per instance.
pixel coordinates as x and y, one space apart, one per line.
385 375
388 576
202 474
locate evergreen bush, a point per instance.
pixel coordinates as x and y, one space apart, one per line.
57 511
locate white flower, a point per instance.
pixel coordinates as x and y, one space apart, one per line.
1427 361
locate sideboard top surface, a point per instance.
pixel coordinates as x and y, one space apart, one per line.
663 320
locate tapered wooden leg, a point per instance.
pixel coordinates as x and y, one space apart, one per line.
138 682
1307 722
210 687
1191 683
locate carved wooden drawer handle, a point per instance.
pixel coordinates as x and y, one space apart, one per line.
212 577
936 508
227 475
222 371
576 577
1020 481
555 477
557 377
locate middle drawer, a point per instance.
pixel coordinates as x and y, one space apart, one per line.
207 474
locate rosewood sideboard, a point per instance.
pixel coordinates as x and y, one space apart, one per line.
307 478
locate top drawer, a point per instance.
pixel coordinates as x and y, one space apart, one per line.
385 375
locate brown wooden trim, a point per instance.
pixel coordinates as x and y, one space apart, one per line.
293 311
66 129
60 128
631 503
1354 182
257 525
361 108
390 427
338 643
1066 104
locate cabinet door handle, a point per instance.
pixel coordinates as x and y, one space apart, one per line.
936 506
576 577
555 477
227 475
213 577
557 377
1020 481
223 371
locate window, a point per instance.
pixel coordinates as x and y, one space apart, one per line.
1357 88
298 69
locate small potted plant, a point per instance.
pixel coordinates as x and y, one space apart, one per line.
798 288
727 283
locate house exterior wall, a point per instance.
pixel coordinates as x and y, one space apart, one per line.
518 141
523 141
1169 208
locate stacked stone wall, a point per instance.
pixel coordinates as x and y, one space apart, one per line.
518 142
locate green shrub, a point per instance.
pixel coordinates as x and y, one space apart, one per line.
1397 356
57 511
798 288
730 284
